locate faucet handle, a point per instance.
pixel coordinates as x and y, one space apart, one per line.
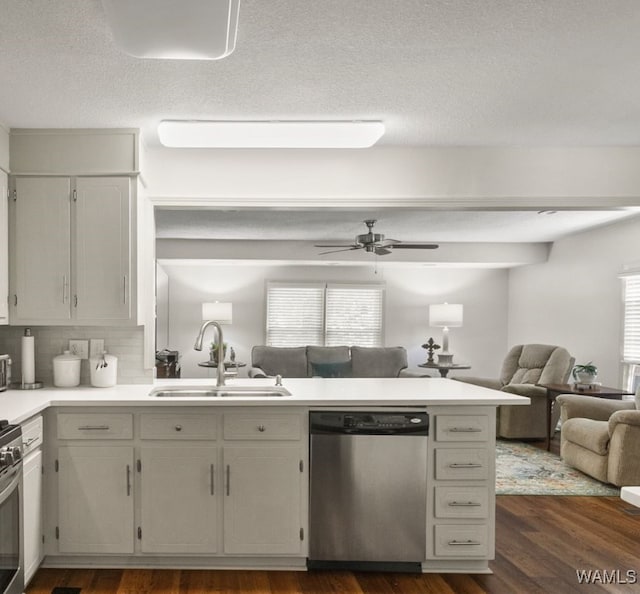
278 380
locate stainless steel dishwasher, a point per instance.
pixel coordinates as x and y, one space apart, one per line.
368 490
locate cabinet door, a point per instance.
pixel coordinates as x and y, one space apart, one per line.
41 255
102 275
4 251
262 500
179 499
95 499
32 489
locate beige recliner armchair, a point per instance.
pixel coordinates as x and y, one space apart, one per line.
601 437
524 366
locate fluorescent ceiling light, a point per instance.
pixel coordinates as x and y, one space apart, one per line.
174 29
270 134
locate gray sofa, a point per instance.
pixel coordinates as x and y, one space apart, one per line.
338 361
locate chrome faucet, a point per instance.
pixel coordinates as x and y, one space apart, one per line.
220 344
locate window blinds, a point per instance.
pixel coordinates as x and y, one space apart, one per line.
631 345
320 314
354 315
295 314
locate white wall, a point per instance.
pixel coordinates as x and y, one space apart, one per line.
481 342
396 176
574 300
4 149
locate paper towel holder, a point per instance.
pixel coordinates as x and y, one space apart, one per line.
31 385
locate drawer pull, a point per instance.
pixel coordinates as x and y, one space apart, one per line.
94 428
29 441
465 430
463 543
228 480
128 480
212 474
464 504
465 465
261 428
178 427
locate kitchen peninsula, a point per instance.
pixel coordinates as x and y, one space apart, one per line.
132 479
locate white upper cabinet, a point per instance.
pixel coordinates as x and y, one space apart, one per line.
4 250
102 234
71 260
41 250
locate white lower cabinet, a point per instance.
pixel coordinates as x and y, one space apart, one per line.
95 499
176 483
179 499
262 502
32 490
33 550
461 492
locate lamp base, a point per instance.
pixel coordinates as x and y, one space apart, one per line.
445 358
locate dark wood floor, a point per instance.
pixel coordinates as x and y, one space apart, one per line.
541 544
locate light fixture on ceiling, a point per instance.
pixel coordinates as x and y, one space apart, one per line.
269 134
174 29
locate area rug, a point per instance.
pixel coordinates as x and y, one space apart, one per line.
522 469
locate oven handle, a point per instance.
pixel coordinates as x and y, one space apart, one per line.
8 490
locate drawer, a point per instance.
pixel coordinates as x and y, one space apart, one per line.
178 426
462 464
95 426
461 502
461 540
462 427
262 426
31 435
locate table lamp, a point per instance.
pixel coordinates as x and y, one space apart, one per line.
221 312
445 316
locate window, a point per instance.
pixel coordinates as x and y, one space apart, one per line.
324 314
631 333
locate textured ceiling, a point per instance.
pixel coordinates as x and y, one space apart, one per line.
497 72
437 72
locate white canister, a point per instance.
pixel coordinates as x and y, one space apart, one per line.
104 371
66 370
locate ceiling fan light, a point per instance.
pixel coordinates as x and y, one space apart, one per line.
174 29
269 134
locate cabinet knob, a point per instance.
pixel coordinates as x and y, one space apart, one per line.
261 428
178 427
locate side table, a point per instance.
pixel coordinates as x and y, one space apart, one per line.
227 364
554 390
444 368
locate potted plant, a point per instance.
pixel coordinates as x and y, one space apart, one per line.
213 351
585 374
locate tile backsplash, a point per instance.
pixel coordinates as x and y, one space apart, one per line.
127 344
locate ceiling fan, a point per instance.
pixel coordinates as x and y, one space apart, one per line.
376 243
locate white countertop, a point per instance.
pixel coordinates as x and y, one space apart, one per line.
19 405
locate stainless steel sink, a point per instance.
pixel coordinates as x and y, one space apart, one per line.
222 392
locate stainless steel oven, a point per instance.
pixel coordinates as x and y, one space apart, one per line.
11 519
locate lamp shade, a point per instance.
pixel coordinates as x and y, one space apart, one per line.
447 315
218 311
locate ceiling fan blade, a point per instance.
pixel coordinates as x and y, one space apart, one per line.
335 245
415 246
345 249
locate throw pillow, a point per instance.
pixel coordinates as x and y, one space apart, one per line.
340 369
